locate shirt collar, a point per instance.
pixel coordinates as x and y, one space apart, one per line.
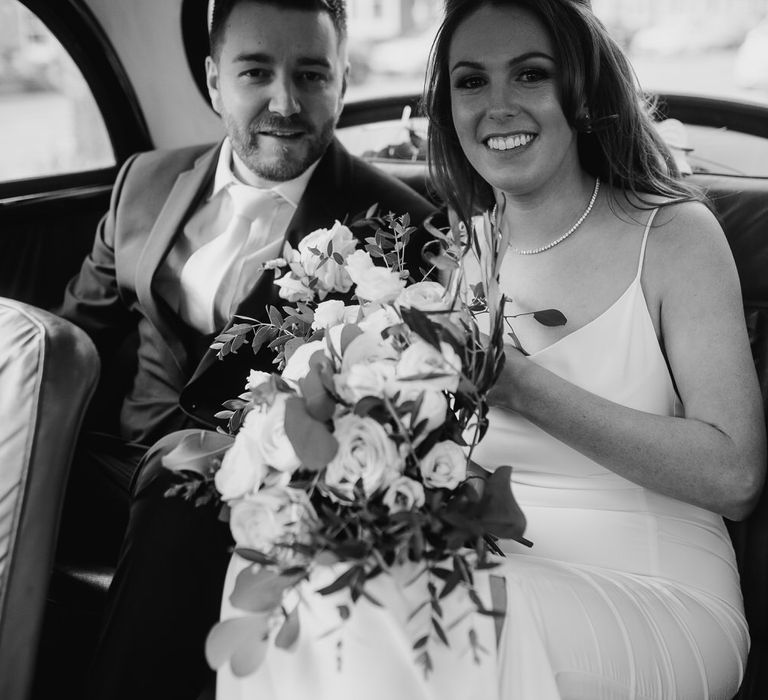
290 190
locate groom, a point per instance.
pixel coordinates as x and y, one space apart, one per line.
276 75
159 272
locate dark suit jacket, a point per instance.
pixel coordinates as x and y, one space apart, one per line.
114 292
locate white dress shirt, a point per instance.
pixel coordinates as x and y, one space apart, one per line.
264 242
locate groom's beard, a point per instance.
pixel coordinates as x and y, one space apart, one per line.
275 159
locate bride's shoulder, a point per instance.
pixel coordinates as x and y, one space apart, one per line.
676 227
686 246
686 231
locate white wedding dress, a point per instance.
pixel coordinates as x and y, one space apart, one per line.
626 594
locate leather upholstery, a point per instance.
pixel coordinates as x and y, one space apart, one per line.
48 371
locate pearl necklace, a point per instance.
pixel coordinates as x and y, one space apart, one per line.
552 244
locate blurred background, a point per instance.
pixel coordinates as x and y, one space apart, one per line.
710 47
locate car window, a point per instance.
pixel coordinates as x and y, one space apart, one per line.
717 48
674 45
51 124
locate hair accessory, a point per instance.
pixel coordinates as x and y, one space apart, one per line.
552 244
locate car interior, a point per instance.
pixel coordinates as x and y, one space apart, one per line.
142 62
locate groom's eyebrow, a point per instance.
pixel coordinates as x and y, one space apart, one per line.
260 57
473 65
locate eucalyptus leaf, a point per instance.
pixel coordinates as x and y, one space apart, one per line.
421 642
349 332
440 632
326 558
450 584
289 631
417 609
314 444
550 318
262 335
501 515
259 591
318 401
240 328
420 324
340 583
255 556
370 598
241 641
291 346
275 317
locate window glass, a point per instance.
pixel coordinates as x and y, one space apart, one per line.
718 48
49 121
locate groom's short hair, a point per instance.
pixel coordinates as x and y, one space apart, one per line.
222 9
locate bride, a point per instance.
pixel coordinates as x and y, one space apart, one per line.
635 426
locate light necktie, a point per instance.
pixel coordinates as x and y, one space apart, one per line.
207 268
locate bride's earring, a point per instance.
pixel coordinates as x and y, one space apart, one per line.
584 122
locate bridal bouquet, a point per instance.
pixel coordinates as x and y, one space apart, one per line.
357 449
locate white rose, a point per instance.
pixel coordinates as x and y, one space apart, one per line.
294 289
425 296
256 378
340 236
433 409
274 264
328 313
274 444
365 379
243 468
297 365
347 332
373 283
366 348
444 466
379 320
333 340
331 276
351 313
275 515
253 522
365 452
404 493
421 358
359 264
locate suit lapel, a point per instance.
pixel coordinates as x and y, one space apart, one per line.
184 197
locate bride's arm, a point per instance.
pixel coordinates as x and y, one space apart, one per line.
714 457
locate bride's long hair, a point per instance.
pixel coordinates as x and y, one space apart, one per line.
617 142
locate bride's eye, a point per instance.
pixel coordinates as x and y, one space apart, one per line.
533 75
468 82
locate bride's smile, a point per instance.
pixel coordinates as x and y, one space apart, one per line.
506 143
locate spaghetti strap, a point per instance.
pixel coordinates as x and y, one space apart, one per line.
645 241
